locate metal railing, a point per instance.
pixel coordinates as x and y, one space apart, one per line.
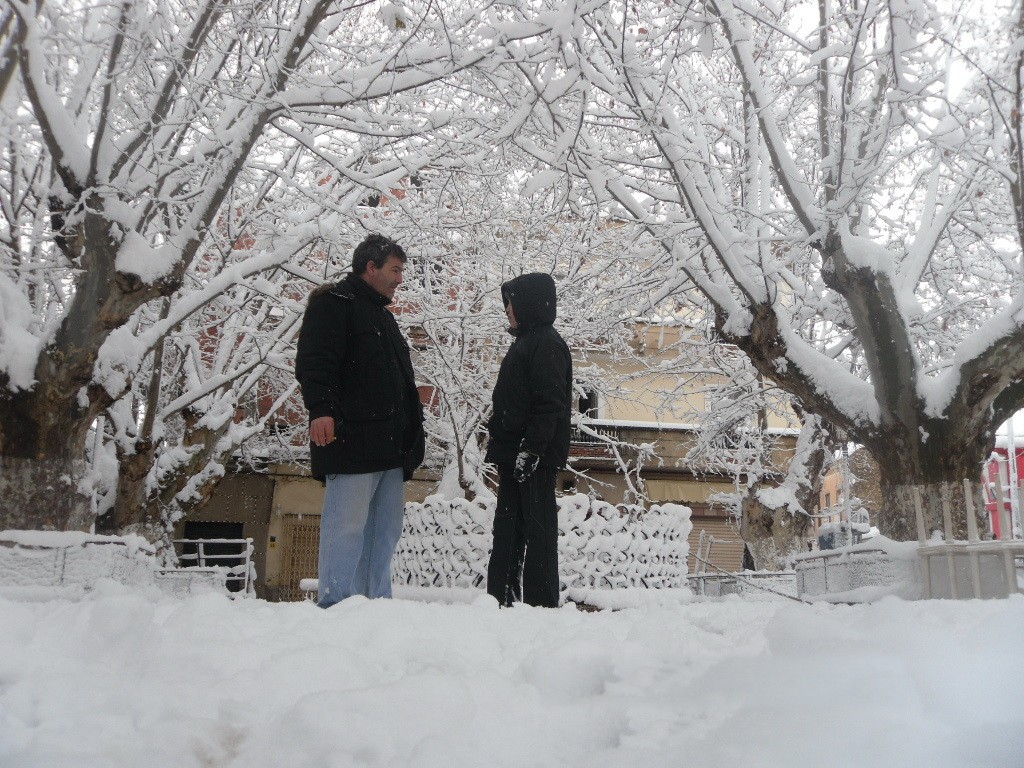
1006 549
581 437
816 566
721 583
242 571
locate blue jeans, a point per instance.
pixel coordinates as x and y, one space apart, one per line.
359 531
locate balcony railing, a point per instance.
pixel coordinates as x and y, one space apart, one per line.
581 437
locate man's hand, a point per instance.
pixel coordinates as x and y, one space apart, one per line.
526 463
321 430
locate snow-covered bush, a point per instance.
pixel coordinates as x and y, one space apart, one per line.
600 546
445 542
604 546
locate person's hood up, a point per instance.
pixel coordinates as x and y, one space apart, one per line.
533 299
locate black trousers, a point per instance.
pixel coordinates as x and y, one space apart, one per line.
524 558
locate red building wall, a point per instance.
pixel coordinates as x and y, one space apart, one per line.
991 477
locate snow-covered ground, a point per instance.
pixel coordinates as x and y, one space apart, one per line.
130 677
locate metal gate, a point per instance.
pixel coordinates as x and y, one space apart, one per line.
302 537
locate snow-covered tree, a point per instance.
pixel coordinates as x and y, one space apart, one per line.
746 428
127 130
469 225
849 212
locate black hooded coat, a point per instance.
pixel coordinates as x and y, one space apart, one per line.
533 395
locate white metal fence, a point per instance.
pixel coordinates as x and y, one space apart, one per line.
231 558
974 568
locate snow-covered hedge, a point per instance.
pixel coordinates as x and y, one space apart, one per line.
447 542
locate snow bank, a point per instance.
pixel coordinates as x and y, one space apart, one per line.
121 679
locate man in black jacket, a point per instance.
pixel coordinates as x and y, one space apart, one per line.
529 443
366 420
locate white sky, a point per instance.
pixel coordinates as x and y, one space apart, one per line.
1018 425
123 679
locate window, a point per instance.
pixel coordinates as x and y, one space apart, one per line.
588 404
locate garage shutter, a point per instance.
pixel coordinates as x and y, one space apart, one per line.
727 549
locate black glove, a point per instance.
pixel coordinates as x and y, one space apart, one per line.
526 463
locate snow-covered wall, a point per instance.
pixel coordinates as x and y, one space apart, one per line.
861 572
68 564
72 561
447 542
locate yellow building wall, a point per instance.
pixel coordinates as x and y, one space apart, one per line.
669 397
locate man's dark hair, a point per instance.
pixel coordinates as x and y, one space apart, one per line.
375 248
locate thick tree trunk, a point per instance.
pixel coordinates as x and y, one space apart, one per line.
936 468
49 423
42 461
898 518
42 494
774 535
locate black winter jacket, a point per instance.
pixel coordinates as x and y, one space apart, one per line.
353 364
533 395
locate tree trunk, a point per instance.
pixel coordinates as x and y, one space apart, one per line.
937 467
42 494
42 461
47 425
898 518
773 535
131 504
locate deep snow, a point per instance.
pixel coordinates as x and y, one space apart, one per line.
131 677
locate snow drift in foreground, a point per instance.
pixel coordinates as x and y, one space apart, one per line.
133 678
